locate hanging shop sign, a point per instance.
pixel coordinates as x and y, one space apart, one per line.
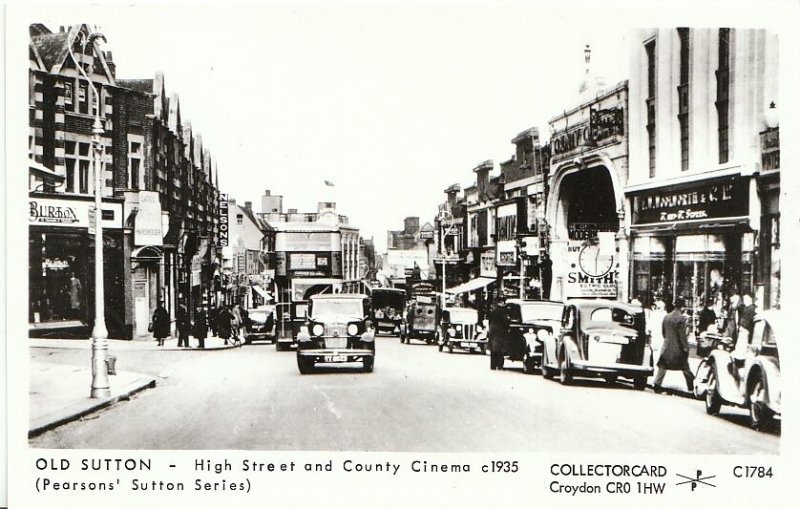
506 253
602 124
223 220
593 270
148 227
699 202
488 267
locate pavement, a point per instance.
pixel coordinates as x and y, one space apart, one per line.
60 393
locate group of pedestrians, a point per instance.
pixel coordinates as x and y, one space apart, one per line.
229 323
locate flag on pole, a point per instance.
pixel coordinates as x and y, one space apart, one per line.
329 183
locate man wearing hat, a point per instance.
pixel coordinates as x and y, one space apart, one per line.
675 350
498 328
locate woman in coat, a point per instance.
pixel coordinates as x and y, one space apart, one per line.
200 329
161 323
224 319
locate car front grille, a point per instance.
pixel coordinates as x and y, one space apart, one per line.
336 342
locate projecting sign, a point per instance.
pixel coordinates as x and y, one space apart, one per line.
592 271
147 229
223 220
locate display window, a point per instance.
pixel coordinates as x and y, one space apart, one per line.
57 270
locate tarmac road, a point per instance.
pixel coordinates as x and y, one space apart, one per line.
417 399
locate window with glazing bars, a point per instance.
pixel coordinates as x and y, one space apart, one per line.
683 96
723 87
650 49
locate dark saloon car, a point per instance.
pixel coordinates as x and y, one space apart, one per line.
459 328
601 338
338 330
260 324
531 325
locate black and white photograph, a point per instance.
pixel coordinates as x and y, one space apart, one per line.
451 248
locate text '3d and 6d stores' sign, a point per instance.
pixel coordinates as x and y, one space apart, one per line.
698 202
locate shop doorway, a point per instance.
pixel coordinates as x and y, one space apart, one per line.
141 304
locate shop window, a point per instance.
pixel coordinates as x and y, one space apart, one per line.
57 272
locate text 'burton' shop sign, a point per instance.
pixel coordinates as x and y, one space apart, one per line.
700 202
593 269
223 220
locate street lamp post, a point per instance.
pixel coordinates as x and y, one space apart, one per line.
444 215
100 384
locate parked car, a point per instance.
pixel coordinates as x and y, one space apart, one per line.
422 317
533 328
338 330
601 338
260 324
387 309
459 328
754 383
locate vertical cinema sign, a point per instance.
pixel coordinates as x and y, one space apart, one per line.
223 220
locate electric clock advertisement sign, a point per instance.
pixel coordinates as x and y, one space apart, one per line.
593 268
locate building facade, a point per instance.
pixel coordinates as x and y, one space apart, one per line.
703 191
153 168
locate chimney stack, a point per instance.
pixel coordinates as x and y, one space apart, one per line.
249 206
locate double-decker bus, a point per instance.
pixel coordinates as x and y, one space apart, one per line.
308 262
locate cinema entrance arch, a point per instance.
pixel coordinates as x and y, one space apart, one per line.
588 245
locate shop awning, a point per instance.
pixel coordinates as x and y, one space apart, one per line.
265 294
152 253
471 285
44 172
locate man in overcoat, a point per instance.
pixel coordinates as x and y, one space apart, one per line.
498 328
675 350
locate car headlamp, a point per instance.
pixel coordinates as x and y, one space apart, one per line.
542 335
451 331
318 329
479 328
458 328
352 329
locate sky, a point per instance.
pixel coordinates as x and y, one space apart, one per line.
390 104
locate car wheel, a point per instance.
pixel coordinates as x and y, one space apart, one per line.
369 364
450 347
441 347
483 349
760 415
564 376
639 383
278 346
713 400
304 365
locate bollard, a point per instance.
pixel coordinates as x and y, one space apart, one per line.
111 364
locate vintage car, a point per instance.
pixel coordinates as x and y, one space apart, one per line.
459 328
260 324
533 327
601 338
387 309
753 383
338 330
422 317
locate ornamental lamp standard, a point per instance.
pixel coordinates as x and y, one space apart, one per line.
771 116
445 215
100 384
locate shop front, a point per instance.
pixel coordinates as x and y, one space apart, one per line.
693 241
61 266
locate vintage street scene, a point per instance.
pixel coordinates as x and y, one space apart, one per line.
323 235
